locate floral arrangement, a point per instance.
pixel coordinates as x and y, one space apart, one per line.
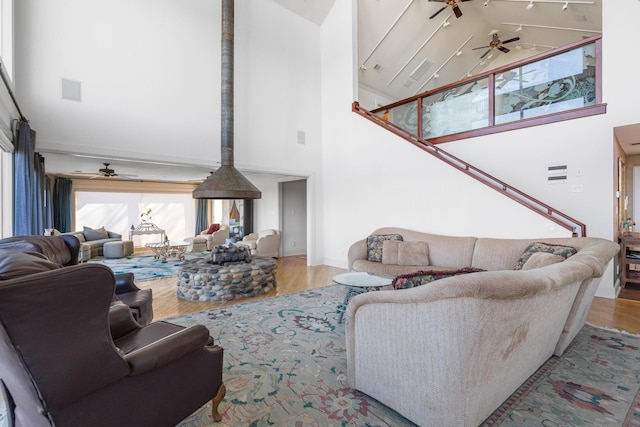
146 215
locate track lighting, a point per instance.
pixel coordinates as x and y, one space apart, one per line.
446 23
458 53
519 29
436 75
565 6
486 3
530 5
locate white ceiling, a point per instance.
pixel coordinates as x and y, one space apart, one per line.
396 36
397 50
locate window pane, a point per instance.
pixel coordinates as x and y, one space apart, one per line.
118 212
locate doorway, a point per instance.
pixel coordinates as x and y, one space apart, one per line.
293 199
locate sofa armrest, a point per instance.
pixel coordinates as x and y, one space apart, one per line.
121 321
358 250
167 349
125 283
114 235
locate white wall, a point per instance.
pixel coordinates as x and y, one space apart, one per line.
377 179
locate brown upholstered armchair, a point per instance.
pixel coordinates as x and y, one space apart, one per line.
69 357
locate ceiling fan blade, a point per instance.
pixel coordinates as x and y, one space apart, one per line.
481 47
504 49
515 39
436 14
457 11
485 54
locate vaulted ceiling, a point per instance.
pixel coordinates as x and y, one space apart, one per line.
402 51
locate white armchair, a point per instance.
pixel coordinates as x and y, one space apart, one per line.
264 243
217 237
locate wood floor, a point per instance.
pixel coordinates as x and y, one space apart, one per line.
294 275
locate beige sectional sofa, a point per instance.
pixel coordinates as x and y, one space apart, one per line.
451 351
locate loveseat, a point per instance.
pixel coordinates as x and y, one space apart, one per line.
454 349
92 241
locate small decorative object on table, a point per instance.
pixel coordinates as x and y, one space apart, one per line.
628 225
221 254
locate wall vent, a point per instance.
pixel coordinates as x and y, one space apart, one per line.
420 69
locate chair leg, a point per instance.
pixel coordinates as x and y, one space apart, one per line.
216 401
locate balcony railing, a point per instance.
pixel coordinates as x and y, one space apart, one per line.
553 86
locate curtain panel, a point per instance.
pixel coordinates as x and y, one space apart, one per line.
28 184
202 215
62 205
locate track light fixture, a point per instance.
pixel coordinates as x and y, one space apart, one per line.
519 29
446 23
530 5
565 6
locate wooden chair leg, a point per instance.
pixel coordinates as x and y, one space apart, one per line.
216 401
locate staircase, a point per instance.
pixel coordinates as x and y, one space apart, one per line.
577 228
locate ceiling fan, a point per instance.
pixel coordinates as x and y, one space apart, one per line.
496 43
105 172
453 4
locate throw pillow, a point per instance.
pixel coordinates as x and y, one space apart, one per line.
563 251
541 259
17 264
213 228
95 234
395 252
419 278
374 245
390 252
413 253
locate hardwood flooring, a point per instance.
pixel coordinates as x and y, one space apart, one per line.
294 275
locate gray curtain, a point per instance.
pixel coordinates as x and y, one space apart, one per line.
202 215
48 203
62 205
28 175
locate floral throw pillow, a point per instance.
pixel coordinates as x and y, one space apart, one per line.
374 245
563 251
419 278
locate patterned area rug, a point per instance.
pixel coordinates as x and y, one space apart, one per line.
146 267
285 365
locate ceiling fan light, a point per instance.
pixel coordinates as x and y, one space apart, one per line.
530 5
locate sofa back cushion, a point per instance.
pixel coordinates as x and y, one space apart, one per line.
15 264
444 251
95 234
498 254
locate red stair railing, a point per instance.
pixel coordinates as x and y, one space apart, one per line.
577 228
